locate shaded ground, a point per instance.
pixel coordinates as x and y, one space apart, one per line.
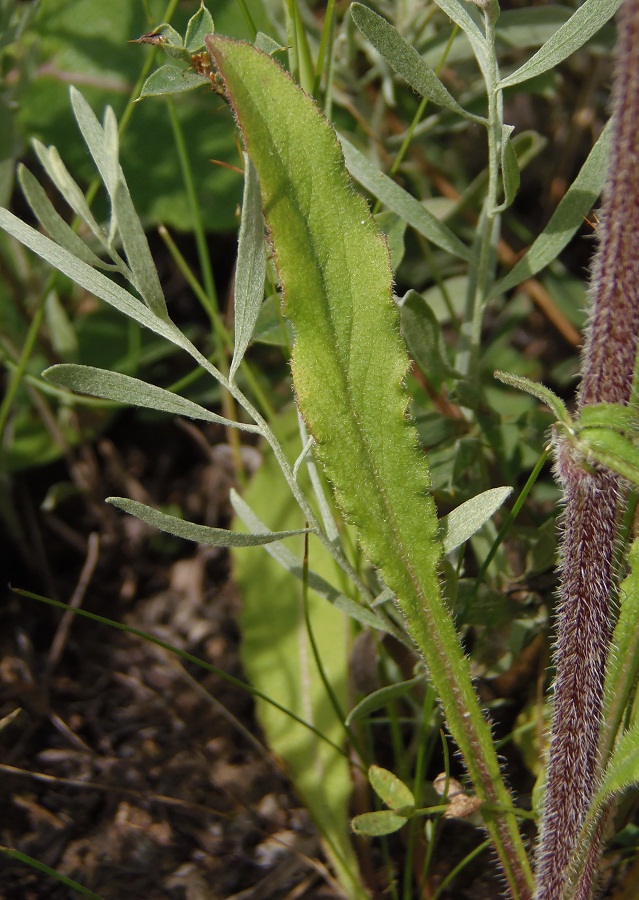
154 781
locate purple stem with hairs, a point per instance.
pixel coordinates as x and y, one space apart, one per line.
594 499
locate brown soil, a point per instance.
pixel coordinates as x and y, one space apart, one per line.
127 769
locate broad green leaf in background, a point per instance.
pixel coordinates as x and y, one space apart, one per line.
200 534
291 563
86 43
581 26
405 60
9 149
251 266
348 367
566 219
278 659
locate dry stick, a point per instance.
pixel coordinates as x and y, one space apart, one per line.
594 498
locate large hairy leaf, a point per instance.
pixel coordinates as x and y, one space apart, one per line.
349 364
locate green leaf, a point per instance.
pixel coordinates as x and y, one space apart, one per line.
103 146
401 202
56 170
63 337
170 79
132 391
377 824
138 253
581 26
52 221
278 660
566 219
201 534
622 770
251 265
509 167
467 17
167 36
198 27
349 364
348 360
541 392
380 698
94 282
617 416
389 788
623 661
405 60
424 337
613 450
170 40
94 137
292 564
268 44
462 523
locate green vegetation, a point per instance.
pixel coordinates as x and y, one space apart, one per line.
391 449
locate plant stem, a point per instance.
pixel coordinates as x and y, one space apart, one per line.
481 276
594 499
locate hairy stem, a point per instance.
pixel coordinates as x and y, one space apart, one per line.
594 498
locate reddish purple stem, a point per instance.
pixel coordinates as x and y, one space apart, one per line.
593 500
